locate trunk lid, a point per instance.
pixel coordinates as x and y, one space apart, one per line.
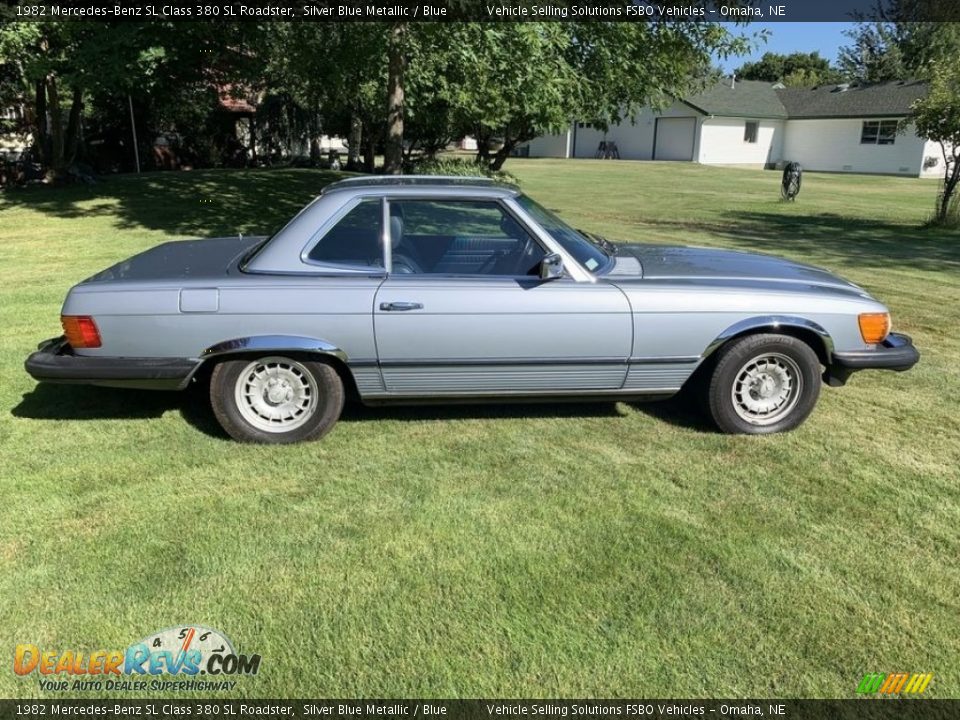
180 260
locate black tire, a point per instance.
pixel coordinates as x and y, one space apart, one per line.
763 384
312 389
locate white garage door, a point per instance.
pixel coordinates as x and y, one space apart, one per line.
675 138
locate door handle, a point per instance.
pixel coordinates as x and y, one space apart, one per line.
401 306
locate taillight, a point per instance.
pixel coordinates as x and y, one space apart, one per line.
81 331
874 327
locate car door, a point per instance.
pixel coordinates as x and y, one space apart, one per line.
461 314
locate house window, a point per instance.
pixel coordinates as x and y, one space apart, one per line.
878 132
750 129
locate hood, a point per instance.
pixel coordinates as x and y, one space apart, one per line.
181 260
665 262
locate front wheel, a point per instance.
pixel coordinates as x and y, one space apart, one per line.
764 384
276 399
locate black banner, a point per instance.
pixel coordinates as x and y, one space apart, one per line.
867 709
473 10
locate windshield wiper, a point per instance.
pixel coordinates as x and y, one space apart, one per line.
601 242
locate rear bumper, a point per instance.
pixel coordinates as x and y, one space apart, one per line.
55 362
895 353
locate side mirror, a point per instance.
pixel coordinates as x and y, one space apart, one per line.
551 267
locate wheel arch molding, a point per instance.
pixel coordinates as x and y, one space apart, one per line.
294 345
273 344
814 334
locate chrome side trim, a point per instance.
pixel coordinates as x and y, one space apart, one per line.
771 322
544 361
368 380
507 396
504 379
666 360
386 237
273 343
457 363
374 273
657 375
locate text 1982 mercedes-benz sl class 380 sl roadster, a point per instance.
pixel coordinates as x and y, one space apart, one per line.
416 289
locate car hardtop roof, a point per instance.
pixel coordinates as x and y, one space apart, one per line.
420 182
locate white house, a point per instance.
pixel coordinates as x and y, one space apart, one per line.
834 128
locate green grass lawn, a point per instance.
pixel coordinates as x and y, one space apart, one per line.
544 550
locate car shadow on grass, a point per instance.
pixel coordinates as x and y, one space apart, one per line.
680 411
82 402
202 203
358 412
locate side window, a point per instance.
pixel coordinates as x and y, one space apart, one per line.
354 240
460 237
750 128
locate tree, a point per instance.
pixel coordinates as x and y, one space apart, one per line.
507 83
106 61
61 60
908 42
14 91
937 117
396 63
405 87
415 86
876 54
340 68
797 69
908 38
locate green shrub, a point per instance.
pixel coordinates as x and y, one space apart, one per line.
461 167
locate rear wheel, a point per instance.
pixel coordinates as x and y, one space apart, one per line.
763 384
276 399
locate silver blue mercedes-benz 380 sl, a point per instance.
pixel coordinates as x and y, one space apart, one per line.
420 289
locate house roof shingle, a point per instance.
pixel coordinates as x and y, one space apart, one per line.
890 99
754 98
743 98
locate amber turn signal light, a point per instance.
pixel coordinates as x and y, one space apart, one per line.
874 327
81 331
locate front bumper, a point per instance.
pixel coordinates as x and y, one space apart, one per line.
55 362
895 353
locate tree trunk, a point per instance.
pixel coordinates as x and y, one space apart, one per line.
252 157
57 161
409 151
500 157
483 148
353 143
393 160
948 193
369 154
951 181
73 128
509 143
42 140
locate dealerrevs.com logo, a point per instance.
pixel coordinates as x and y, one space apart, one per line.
188 657
897 683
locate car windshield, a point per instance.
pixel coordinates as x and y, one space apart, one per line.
585 252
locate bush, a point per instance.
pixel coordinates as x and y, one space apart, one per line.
460 167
